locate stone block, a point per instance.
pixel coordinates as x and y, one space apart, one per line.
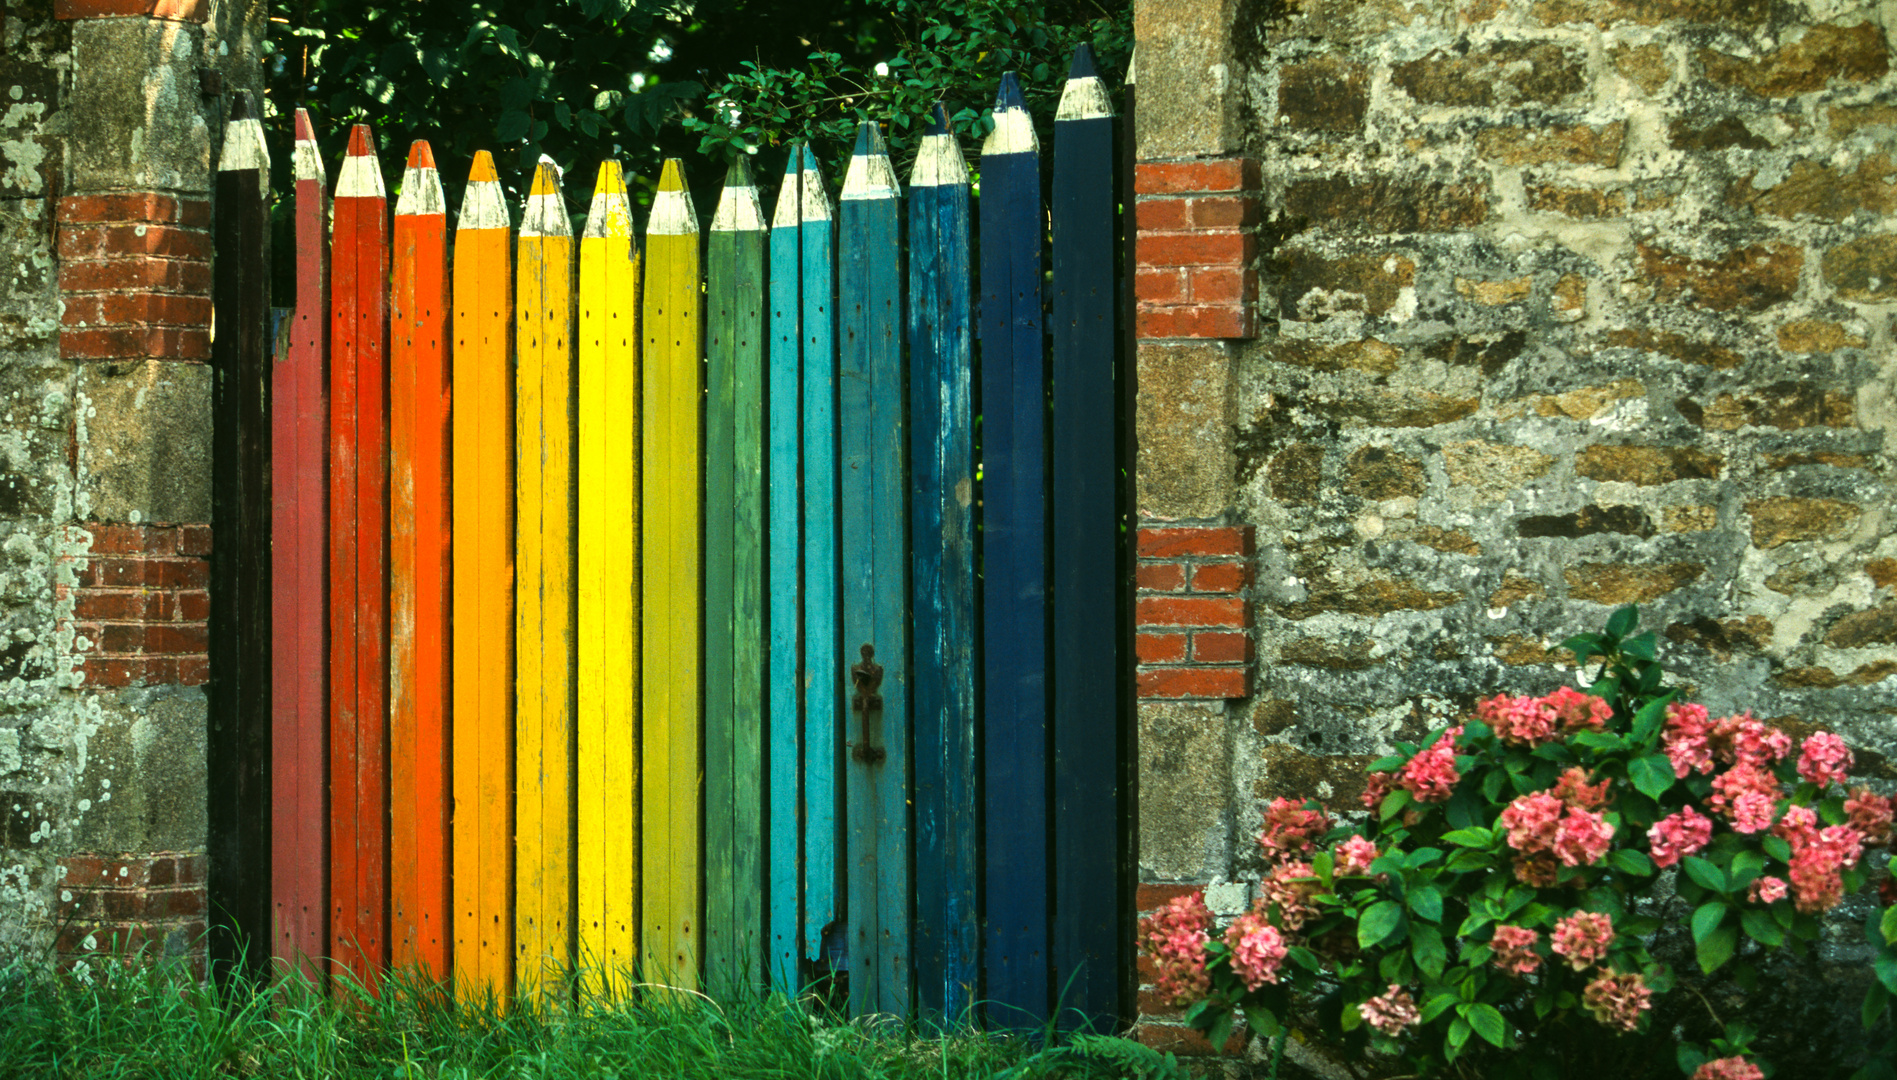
1848 53
145 443
1864 269
1313 285
1875 626
1386 204
1623 583
1817 336
1579 144
1296 473
1378 472
1712 136
136 103
1338 780
1787 405
1328 94
1588 521
1751 278
1676 346
1500 74
1605 13
1783 519
1188 92
1810 189
1184 767
1491 470
1398 408
1646 466
1186 462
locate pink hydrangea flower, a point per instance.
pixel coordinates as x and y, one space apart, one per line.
1291 831
1291 886
1175 937
1742 740
1799 827
1618 1001
1532 822
1582 838
1378 785
1747 796
1842 843
1728 1068
1574 789
1355 855
1258 949
1767 890
1678 835
1515 949
1583 938
1816 884
1825 759
1576 711
1391 1011
1518 721
1686 739
1539 870
1431 776
1870 814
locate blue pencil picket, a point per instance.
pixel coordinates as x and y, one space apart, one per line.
942 478
823 698
1014 568
784 587
1083 508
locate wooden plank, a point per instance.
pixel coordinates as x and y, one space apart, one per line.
358 579
823 667
543 594
1014 569
872 500
784 607
1084 511
942 479
1127 401
734 642
419 537
298 783
608 642
669 879
240 734
483 588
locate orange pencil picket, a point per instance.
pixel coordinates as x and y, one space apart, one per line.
483 588
358 502
419 677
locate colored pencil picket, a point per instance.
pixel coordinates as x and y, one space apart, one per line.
297 865
239 722
358 577
1014 568
942 463
543 591
608 641
823 668
1083 515
734 638
483 587
784 609
672 720
419 522
873 449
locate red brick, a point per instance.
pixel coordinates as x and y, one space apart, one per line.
1209 323
174 903
1221 647
1203 540
1159 286
1189 177
100 241
1152 897
195 213
84 871
141 343
176 10
184 572
194 540
1184 1041
1159 324
121 206
1193 682
1222 247
155 309
1161 576
177 639
1158 1006
122 638
1160 648
132 540
105 275
1161 214
1221 212
1221 284
1189 611
164 871
1222 577
190 869
193 670
122 605
192 606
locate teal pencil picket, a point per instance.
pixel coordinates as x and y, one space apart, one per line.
875 577
1083 509
942 479
783 608
1014 571
823 698
734 293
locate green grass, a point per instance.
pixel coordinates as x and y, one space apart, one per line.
152 1020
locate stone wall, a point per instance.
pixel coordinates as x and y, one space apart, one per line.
1562 304
113 112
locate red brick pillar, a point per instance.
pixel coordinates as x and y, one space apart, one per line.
1197 248
1193 623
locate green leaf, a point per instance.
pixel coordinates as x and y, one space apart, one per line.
1470 838
1263 1021
1706 874
1629 861
1718 946
1221 1030
1426 945
1488 1023
1378 923
1640 648
1352 1018
1459 1032
1492 784
1707 918
1427 903
1652 774
1435 1005
1622 622
1393 804
1583 646
1888 925
1762 928
1746 867
1648 720
1875 999
1776 847
1387 764
1886 968
1465 860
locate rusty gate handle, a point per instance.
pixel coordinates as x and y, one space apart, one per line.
867 678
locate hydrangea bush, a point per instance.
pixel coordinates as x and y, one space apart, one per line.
1509 882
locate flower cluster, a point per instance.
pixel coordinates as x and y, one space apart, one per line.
1258 949
1514 948
1291 831
1870 814
1618 1000
1824 760
1355 855
1430 776
1583 938
1728 1068
1678 835
1291 887
1531 721
1541 824
1175 937
1391 1011
1696 743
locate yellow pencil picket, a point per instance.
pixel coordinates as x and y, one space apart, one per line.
608 639
672 710
543 315
483 584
